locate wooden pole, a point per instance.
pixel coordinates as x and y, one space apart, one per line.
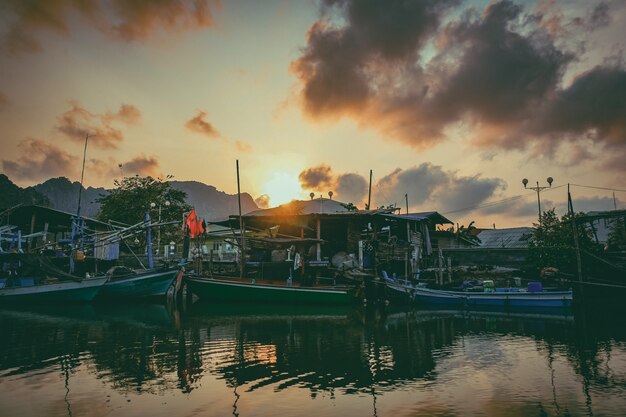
406 199
369 194
570 207
241 231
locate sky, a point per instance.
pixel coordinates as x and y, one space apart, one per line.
449 103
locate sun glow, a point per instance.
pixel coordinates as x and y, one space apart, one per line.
282 187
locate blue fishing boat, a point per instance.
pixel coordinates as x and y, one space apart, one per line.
533 296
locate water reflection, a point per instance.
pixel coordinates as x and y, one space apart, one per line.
453 362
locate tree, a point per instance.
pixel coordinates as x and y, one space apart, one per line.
552 243
128 202
617 233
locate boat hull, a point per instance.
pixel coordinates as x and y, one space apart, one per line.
143 285
498 298
64 291
233 291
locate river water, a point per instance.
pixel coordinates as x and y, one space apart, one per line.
211 360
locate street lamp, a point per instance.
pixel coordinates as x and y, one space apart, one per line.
538 189
153 205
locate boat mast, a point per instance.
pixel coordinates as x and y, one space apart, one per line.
77 224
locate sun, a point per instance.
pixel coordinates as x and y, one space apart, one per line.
282 187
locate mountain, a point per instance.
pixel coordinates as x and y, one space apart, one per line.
11 195
63 194
212 204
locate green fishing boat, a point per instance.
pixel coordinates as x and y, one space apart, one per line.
232 290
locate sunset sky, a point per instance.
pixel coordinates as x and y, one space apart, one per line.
451 102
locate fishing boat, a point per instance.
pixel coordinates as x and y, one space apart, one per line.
43 284
128 283
533 296
234 290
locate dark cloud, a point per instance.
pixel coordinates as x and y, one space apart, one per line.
429 187
499 71
40 160
78 122
599 17
351 188
142 165
347 187
263 201
339 63
419 182
199 125
316 178
501 75
594 104
468 191
28 21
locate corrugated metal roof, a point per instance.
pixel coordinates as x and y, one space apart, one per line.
433 216
303 207
515 237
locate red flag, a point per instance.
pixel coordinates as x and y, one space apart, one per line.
194 224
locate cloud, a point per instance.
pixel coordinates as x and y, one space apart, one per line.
586 204
142 165
316 177
40 160
242 146
595 103
347 187
429 187
351 187
127 114
339 66
199 125
119 19
4 100
78 122
263 201
139 19
599 17
500 72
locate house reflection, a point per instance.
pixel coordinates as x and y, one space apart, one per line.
338 351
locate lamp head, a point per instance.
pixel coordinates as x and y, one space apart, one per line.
312 195
153 205
550 179
330 195
167 203
525 182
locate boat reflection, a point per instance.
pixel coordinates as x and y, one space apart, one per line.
148 348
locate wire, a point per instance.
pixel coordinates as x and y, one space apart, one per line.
599 188
494 203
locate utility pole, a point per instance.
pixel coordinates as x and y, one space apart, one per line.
538 189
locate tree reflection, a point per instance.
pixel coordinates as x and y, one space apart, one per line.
148 349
